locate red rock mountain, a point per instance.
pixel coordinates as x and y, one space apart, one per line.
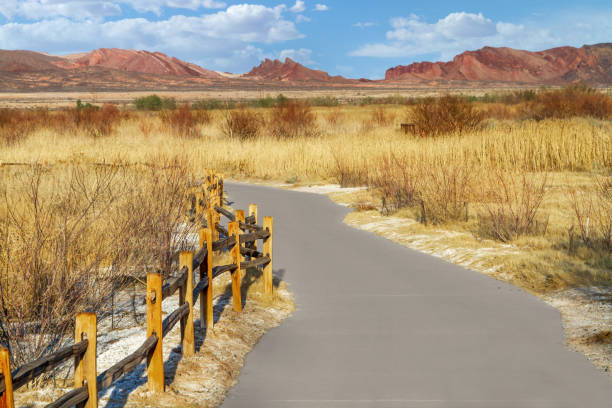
138 61
556 65
275 70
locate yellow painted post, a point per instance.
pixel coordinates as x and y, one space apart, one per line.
206 297
155 359
268 224
6 399
85 367
253 211
187 335
234 230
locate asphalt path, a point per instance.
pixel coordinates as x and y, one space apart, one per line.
380 325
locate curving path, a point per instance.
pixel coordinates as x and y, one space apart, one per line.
381 325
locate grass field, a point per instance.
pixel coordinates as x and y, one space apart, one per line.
540 185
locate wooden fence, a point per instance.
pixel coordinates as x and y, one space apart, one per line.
240 238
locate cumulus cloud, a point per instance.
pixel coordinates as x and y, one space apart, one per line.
302 19
298 7
460 31
303 55
321 7
221 40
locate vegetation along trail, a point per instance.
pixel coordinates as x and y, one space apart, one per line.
381 325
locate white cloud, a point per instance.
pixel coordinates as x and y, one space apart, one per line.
364 24
302 19
303 55
222 40
93 9
461 31
321 7
298 7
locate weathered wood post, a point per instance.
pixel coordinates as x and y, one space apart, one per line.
221 192
268 224
212 216
6 399
253 212
206 297
199 205
187 335
234 231
85 366
155 359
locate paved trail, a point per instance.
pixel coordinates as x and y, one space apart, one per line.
380 325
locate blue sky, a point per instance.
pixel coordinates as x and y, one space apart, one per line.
351 38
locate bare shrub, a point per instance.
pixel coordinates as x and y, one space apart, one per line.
570 102
70 236
593 214
445 191
241 123
448 114
184 122
293 119
349 172
397 181
96 122
510 206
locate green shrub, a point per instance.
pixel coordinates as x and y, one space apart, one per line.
154 103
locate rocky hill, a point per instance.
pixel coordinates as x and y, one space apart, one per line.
275 70
556 65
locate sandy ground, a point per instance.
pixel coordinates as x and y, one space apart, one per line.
586 312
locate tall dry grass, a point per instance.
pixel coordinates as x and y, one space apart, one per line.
72 234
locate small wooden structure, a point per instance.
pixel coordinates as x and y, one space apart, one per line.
408 128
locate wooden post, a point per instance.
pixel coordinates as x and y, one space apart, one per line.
212 219
6 399
253 211
206 297
268 224
187 336
199 206
221 187
155 359
85 367
234 230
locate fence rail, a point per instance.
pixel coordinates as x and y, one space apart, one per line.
240 238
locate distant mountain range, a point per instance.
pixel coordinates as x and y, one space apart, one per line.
118 69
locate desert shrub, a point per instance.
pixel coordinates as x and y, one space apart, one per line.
293 119
212 104
324 101
444 192
154 103
95 121
397 181
241 123
268 101
499 111
14 126
593 215
570 102
445 115
349 172
69 236
510 206
184 122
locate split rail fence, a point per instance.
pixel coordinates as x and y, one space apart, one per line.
240 238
